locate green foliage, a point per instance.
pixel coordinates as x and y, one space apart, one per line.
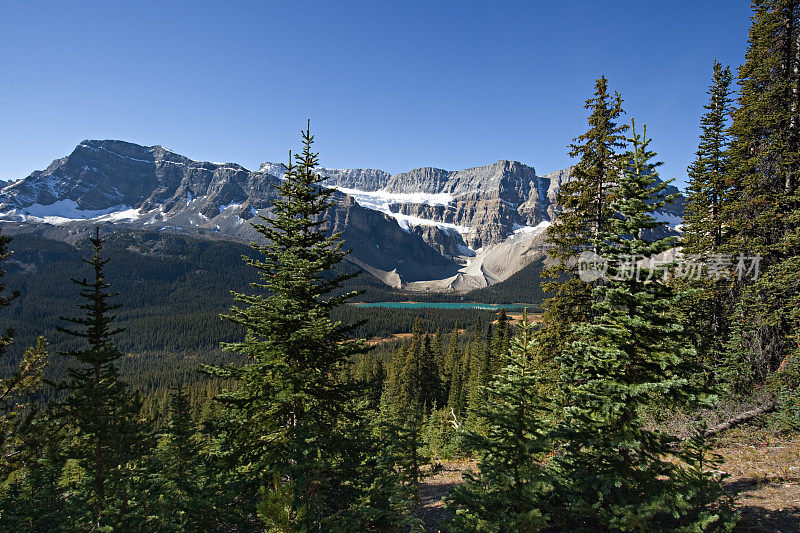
583 206
705 230
17 386
709 189
764 149
765 211
614 471
296 420
507 493
33 497
768 311
106 437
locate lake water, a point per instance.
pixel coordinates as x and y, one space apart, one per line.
446 305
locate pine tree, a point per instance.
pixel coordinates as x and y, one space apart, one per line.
765 211
296 416
614 470
507 493
705 230
16 389
703 224
583 205
101 411
181 475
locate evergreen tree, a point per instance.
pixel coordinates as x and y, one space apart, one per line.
703 223
17 388
182 474
34 501
615 472
107 437
416 391
704 227
297 420
500 341
765 211
583 205
418 379
507 493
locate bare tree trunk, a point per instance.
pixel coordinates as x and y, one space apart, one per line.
741 418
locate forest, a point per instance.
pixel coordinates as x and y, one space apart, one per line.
280 416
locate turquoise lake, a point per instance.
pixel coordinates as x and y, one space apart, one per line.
444 305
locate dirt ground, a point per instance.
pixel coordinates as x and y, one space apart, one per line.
765 474
436 487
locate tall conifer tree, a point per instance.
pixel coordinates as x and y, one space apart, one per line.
709 189
102 412
705 229
507 494
765 172
615 472
297 418
583 212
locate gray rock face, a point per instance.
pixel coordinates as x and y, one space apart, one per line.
156 188
364 179
100 175
488 202
426 229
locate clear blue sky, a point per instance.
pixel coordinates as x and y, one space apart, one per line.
391 85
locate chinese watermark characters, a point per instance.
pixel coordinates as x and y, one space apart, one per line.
592 267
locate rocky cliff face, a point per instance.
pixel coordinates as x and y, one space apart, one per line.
426 229
484 204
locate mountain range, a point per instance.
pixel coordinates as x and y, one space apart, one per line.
424 230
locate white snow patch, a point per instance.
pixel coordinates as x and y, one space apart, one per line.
531 230
127 214
188 198
406 221
65 211
381 200
232 204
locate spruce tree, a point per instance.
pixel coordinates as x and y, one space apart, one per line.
615 472
414 394
297 420
182 476
17 388
583 212
507 492
418 380
705 229
108 438
764 173
708 191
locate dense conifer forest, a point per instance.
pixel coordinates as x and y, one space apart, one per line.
156 382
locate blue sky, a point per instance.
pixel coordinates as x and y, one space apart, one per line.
391 85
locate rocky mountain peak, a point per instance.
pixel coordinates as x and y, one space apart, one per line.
406 228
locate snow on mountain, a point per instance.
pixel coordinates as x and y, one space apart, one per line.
426 229
65 211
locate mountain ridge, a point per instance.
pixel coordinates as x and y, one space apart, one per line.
426 229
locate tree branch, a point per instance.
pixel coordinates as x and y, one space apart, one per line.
741 418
